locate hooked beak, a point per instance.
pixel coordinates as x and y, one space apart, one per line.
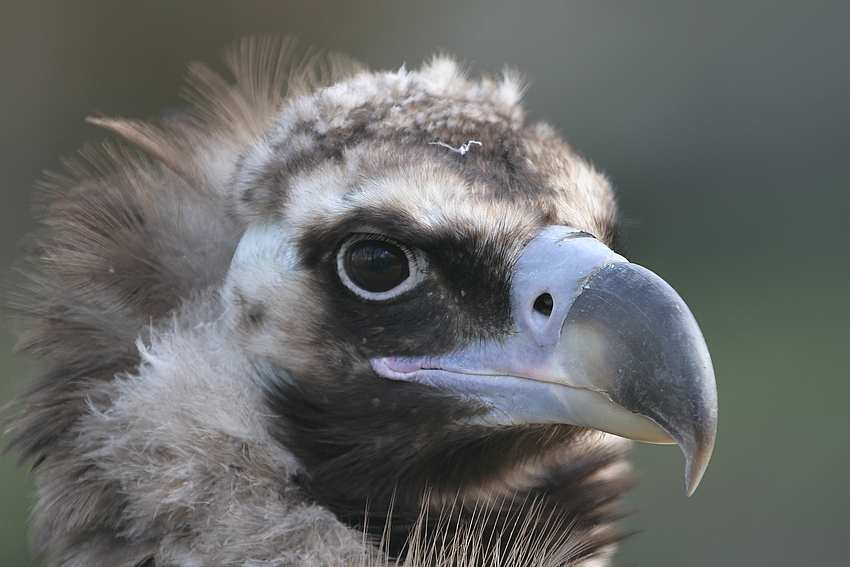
598 342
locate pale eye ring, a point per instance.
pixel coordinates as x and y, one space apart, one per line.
376 267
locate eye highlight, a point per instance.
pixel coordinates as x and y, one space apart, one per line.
375 267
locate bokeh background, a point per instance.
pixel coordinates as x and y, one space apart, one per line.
725 126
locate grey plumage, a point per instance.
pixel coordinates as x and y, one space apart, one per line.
211 390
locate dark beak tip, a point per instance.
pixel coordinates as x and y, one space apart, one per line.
698 451
654 335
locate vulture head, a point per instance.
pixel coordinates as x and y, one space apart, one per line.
328 316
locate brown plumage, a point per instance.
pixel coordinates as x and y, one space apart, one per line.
285 326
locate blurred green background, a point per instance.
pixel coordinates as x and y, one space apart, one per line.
725 127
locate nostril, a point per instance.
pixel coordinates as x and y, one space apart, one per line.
543 304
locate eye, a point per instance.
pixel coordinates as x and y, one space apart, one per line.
375 267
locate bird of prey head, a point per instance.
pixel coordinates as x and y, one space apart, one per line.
328 316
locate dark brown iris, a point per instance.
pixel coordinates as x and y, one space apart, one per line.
376 266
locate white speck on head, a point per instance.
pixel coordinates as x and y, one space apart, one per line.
462 150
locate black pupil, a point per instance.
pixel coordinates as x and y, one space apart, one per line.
376 266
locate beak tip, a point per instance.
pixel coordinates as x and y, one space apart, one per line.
696 461
691 483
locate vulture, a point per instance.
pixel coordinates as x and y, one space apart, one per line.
325 316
